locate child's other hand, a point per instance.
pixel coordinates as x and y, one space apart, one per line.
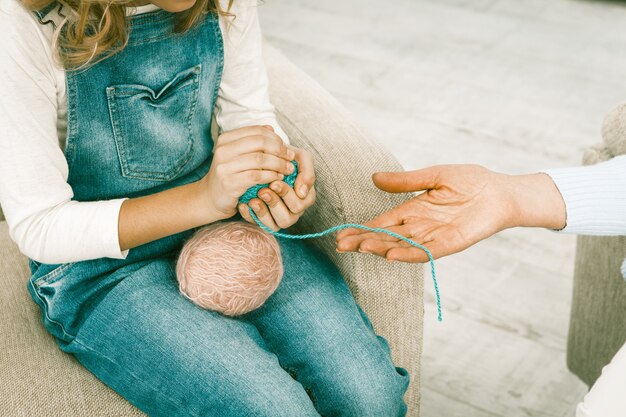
281 206
242 158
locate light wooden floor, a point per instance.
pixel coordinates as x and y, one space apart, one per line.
514 85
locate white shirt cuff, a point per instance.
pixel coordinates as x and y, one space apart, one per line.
595 197
110 229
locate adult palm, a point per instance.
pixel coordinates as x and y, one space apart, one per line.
459 205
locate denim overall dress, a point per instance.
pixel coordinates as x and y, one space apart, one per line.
138 123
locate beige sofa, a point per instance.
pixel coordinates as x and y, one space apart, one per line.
37 379
598 317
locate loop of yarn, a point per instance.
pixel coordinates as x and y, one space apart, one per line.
253 191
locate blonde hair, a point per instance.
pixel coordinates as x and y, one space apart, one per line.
93 30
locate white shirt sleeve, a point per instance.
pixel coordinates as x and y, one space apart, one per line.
44 221
36 199
243 97
595 197
606 397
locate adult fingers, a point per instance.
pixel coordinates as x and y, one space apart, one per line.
306 173
355 242
417 255
390 218
403 182
379 247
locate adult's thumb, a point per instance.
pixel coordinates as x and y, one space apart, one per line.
405 182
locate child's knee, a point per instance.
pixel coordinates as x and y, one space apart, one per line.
368 390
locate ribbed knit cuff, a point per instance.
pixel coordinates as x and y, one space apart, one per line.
595 197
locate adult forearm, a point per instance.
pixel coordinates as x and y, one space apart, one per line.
155 216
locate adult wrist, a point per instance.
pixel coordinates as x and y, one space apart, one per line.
537 202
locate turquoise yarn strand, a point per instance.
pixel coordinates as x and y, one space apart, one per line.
369 229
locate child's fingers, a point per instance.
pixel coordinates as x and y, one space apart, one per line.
277 207
245 213
258 161
288 195
243 180
306 173
244 132
268 143
263 214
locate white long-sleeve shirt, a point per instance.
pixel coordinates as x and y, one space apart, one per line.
595 197
44 221
595 201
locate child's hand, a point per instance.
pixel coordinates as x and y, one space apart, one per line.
242 158
280 206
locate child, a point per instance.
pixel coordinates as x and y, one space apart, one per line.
107 166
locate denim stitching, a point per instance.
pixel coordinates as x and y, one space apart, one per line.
192 113
127 172
72 122
114 125
154 16
49 278
220 48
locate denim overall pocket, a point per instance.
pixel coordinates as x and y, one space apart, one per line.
153 129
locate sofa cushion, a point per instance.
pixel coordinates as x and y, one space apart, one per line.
32 367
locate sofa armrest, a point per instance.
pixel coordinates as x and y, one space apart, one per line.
598 311
345 158
614 132
597 328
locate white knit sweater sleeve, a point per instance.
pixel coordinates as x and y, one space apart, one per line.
243 97
595 197
36 199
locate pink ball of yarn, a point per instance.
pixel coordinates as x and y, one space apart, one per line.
230 267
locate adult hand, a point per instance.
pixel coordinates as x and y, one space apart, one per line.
243 158
281 206
460 206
